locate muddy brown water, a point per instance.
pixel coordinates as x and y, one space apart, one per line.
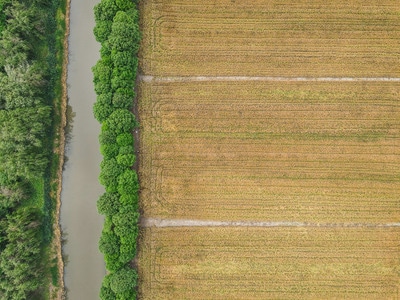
80 222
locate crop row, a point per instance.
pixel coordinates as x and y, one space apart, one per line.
114 75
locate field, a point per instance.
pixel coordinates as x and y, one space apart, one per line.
269 263
313 152
279 37
237 125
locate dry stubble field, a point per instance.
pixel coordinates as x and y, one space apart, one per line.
326 153
310 152
274 37
270 263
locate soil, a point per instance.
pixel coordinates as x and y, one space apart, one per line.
152 222
149 78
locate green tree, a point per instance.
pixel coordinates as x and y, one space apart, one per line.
123 98
103 107
110 171
120 121
125 34
13 49
21 134
129 201
107 136
102 76
20 260
125 139
104 13
106 293
109 243
126 225
108 204
125 4
126 160
109 150
123 280
128 183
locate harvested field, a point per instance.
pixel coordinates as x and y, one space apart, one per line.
265 263
271 38
271 151
273 126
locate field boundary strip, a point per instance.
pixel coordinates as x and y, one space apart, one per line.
154 222
150 78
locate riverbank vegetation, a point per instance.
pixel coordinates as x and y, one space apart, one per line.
31 35
117 30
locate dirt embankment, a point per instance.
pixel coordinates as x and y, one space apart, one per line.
59 292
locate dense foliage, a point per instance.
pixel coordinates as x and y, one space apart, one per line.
27 74
117 30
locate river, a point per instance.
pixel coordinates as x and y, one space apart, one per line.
80 222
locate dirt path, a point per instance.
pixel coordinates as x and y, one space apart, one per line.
149 78
152 222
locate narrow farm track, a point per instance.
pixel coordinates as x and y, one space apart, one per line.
153 222
149 78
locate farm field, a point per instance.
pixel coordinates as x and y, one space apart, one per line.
269 263
244 123
271 38
309 152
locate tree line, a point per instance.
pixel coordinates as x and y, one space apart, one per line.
117 29
27 74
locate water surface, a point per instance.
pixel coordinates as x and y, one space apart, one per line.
80 221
